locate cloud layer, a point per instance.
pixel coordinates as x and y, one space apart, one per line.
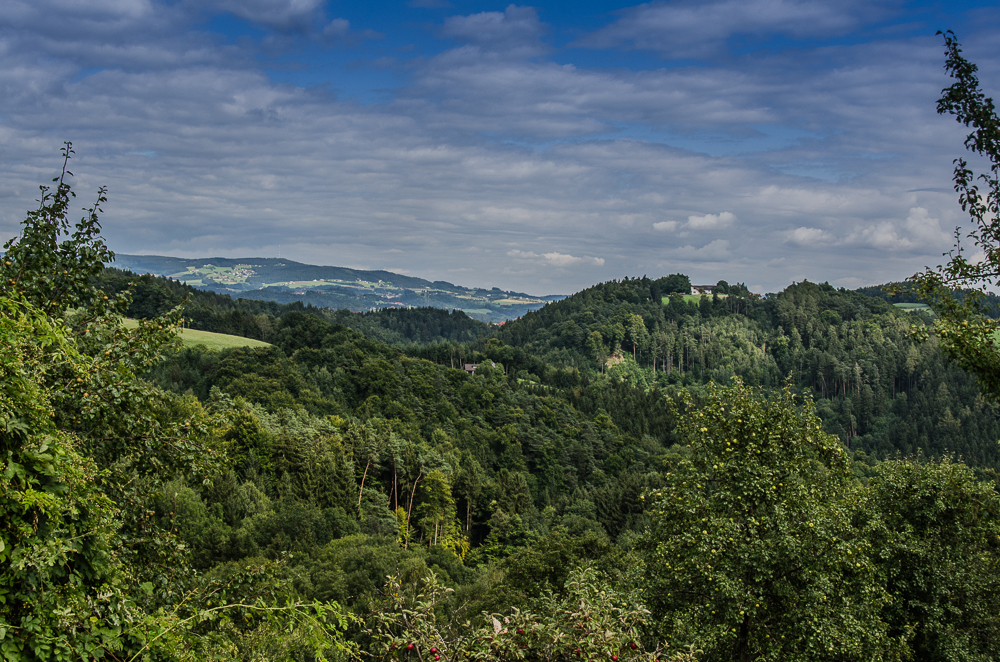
763 142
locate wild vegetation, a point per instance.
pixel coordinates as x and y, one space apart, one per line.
801 476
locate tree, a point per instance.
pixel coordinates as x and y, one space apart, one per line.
751 553
52 265
935 535
636 333
957 290
678 283
438 516
596 348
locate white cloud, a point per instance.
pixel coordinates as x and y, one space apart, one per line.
924 231
919 233
805 236
851 282
711 221
556 259
209 146
278 14
714 251
698 222
516 29
561 259
339 31
338 28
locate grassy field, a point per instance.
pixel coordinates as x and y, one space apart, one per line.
216 341
913 307
688 298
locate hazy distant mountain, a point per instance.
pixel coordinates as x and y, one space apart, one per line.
282 280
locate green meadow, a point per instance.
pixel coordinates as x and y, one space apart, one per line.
214 341
688 298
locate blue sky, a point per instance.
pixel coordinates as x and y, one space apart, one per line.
539 147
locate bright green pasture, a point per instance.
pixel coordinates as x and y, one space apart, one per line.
688 298
911 306
216 341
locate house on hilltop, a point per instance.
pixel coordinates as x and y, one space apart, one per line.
703 289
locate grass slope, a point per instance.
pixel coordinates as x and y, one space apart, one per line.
215 341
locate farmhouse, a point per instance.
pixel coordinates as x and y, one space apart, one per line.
702 289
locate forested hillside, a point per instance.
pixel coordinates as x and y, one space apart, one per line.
875 386
287 281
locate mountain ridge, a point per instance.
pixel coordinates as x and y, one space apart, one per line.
284 281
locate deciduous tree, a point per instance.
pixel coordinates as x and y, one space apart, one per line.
752 554
956 290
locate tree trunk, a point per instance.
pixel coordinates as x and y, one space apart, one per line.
410 509
363 476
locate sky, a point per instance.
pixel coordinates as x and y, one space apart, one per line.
540 148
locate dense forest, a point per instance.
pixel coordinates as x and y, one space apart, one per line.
878 388
626 474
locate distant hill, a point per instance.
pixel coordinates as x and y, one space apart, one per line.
875 386
285 281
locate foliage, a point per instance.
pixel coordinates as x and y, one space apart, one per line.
88 572
56 275
592 620
963 322
752 554
935 541
153 296
61 585
878 388
229 505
